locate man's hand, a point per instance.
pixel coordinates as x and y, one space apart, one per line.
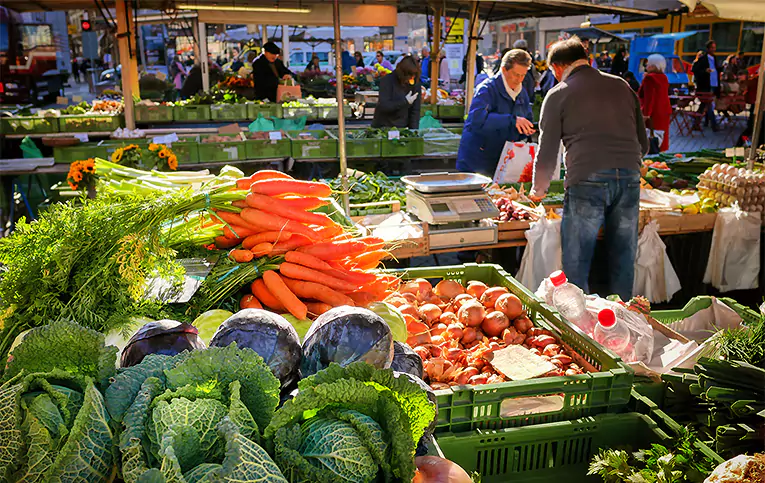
411 97
536 197
709 71
524 126
286 77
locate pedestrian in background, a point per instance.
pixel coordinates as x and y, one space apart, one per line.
654 102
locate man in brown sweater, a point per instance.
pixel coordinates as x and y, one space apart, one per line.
597 116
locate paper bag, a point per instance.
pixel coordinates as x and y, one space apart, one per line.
288 90
514 157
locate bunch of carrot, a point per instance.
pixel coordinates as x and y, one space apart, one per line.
323 266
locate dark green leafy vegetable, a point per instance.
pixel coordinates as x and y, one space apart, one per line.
372 187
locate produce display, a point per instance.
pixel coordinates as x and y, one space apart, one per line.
455 330
727 185
371 187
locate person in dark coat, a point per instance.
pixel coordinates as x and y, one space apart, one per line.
267 71
532 76
192 84
619 65
400 97
500 112
630 78
359 59
478 67
706 77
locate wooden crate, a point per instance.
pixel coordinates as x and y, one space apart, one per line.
673 223
512 230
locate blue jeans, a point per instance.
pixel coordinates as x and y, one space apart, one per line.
609 199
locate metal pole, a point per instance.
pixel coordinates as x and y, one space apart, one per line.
472 41
123 40
141 46
340 110
285 45
263 34
435 57
203 56
758 111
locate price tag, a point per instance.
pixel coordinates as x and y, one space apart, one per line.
233 152
160 75
730 152
394 135
370 79
275 135
77 99
740 151
168 139
62 100
82 137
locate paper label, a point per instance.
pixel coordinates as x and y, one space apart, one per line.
370 78
62 100
394 135
275 135
82 137
741 151
160 75
77 99
233 152
521 406
730 152
307 148
167 139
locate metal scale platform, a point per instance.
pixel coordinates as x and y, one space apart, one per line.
456 207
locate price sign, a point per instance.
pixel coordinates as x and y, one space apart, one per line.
82 137
275 135
394 135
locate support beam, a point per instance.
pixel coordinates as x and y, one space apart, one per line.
435 56
286 45
758 111
340 109
472 44
127 59
263 34
203 57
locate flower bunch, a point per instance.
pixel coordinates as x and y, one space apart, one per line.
81 174
129 156
161 157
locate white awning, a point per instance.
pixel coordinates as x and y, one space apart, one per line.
748 10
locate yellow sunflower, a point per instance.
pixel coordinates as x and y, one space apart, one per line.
172 162
117 155
163 154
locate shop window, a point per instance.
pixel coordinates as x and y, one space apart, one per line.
725 34
751 37
697 42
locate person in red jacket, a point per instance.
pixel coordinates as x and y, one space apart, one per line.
654 100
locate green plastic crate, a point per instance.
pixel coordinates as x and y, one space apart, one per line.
314 148
158 113
395 148
456 130
186 150
90 123
268 149
267 110
28 125
233 150
331 112
425 108
449 112
79 152
191 113
485 407
228 112
361 148
696 304
559 451
309 112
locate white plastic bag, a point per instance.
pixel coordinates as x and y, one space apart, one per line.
543 253
734 258
514 157
655 278
641 332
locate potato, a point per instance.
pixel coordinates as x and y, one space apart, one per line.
490 296
449 289
471 314
476 288
494 323
510 305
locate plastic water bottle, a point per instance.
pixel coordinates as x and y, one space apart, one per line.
569 300
613 334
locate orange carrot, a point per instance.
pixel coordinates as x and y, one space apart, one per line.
249 301
223 243
363 299
306 260
301 203
317 308
329 232
277 207
277 187
259 289
262 249
236 231
266 236
241 256
296 241
283 294
245 183
310 275
232 218
317 291
369 260
272 222
335 250
354 276
239 204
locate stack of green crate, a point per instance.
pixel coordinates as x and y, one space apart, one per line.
189 113
159 113
186 149
361 148
456 111
289 112
403 147
79 152
233 149
276 146
313 144
28 125
91 123
228 112
265 109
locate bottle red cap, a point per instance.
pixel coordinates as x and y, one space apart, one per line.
607 318
558 278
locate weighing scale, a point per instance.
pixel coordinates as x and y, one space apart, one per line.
456 207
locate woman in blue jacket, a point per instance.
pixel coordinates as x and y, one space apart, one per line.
500 112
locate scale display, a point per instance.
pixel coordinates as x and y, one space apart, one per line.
451 207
